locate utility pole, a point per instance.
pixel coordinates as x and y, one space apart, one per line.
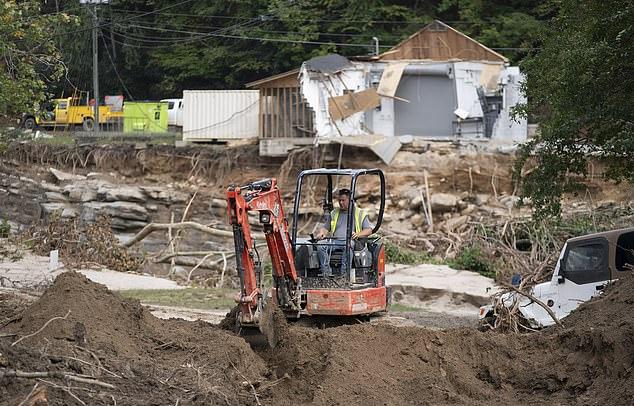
95 55
95 64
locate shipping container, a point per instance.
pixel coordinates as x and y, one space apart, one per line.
145 117
220 114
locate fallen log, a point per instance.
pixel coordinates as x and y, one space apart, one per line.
150 228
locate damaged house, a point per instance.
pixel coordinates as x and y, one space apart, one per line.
438 84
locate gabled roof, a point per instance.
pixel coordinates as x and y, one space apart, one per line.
439 42
285 79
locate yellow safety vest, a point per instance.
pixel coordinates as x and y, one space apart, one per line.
359 215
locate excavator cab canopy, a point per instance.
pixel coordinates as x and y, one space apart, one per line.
323 185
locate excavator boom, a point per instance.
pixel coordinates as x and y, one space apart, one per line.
264 198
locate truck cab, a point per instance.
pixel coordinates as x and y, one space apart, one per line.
174 112
68 112
586 265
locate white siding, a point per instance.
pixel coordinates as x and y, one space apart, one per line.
220 114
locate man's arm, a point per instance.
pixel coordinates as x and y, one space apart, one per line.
322 232
366 229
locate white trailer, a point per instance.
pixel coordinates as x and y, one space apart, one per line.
210 115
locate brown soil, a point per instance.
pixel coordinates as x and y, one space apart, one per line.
161 361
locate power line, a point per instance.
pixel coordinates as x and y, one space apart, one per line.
125 19
264 39
280 19
367 35
168 42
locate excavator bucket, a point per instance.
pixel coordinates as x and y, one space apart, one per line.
273 324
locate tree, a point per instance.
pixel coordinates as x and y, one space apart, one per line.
579 88
29 58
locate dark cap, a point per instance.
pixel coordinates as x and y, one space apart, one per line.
344 191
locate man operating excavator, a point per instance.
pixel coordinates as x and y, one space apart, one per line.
335 223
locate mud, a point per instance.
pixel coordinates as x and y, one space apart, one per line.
153 361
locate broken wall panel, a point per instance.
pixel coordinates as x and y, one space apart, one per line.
341 107
390 78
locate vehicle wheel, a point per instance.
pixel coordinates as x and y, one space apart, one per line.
486 324
89 124
30 124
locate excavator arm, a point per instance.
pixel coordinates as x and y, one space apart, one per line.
265 198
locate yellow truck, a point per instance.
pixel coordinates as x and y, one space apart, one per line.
68 112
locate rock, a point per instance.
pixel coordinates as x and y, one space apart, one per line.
49 187
124 224
387 217
64 176
417 220
166 195
50 208
607 204
453 223
402 204
495 211
80 193
416 202
123 210
469 209
482 198
443 202
218 203
55 197
180 273
113 193
509 201
69 213
15 191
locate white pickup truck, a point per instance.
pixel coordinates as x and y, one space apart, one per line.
585 266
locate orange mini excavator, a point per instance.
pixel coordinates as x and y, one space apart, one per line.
358 287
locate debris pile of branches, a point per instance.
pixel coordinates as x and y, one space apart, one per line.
81 245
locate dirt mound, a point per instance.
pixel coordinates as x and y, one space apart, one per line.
152 361
599 336
117 341
587 362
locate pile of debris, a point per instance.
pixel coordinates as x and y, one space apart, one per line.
80 245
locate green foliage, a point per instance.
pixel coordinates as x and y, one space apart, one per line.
471 259
29 54
224 45
511 26
5 228
194 298
401 255
579 88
